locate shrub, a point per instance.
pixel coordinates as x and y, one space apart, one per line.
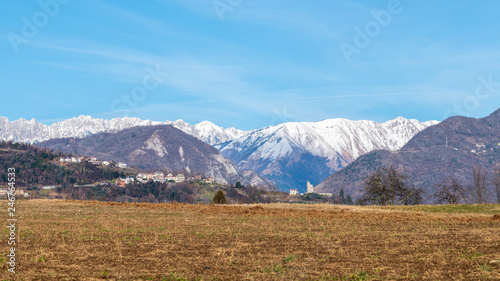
219 198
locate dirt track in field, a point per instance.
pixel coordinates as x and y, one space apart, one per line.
73 240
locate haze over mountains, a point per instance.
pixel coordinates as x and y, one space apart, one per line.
288 154
448 149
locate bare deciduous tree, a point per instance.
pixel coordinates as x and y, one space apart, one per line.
479 187
496 183
449 191
389 187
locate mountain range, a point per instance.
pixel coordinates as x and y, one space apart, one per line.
32 131
288 154
159 147
448 149
291 154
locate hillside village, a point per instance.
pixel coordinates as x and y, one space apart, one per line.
140 177
127 176
162 178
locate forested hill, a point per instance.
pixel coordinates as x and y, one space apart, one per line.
39 166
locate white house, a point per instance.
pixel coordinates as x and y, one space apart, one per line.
76 159
160 180
129 179
65 160
294 192
122 165
159 175
180 178
170 177
21 192
106 163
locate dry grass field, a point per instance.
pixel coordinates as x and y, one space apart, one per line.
74 240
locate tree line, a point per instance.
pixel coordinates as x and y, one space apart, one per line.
36 166
156 192
388 186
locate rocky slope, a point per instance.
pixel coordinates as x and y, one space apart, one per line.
291 154
160 147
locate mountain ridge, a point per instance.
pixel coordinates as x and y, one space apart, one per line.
158 147
32 131
279 152
289 153
448 149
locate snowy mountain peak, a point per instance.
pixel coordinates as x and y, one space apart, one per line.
32 131
205 124
323 147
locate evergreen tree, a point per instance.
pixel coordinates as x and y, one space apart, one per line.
219 198
349 200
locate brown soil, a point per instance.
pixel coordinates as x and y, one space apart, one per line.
74 240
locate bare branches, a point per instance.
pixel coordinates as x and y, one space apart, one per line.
449 191
389 187
496 182
479 176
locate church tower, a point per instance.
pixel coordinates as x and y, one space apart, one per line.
310 187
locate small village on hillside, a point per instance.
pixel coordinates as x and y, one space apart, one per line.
121 181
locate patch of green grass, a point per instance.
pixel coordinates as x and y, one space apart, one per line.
310 234
289 258
199 234
468 255
359 276
489 209
173 276
487 268
277 268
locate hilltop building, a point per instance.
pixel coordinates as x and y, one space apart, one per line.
180 178
310 187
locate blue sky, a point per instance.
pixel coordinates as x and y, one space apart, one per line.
249 64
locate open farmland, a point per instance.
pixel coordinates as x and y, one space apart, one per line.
75 240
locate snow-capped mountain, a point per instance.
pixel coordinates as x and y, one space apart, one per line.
289 154
292 153
160 148
208 131
32 131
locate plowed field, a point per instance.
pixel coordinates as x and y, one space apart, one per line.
75 240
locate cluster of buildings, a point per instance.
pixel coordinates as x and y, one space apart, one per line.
18 192
162 178
310 189
92 160
480 148
124 181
